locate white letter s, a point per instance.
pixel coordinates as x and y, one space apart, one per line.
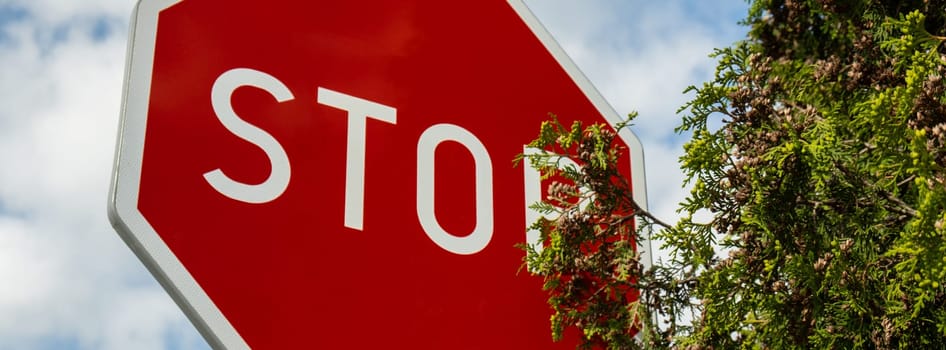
220 95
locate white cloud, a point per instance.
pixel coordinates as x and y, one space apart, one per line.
58 12
24 265
641 55
64 107
66 274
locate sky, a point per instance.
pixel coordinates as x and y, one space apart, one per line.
67 281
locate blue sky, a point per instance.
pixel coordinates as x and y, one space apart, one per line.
68 281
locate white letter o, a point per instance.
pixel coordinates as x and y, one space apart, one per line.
483 231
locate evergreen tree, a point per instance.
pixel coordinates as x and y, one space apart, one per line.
819 152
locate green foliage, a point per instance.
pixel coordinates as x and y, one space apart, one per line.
825 182
825 186
589 259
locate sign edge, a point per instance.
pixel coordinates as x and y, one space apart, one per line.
123 213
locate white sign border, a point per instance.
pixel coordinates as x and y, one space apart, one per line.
123 211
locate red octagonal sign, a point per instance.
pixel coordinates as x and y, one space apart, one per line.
338 174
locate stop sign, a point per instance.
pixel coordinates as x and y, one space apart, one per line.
338 174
